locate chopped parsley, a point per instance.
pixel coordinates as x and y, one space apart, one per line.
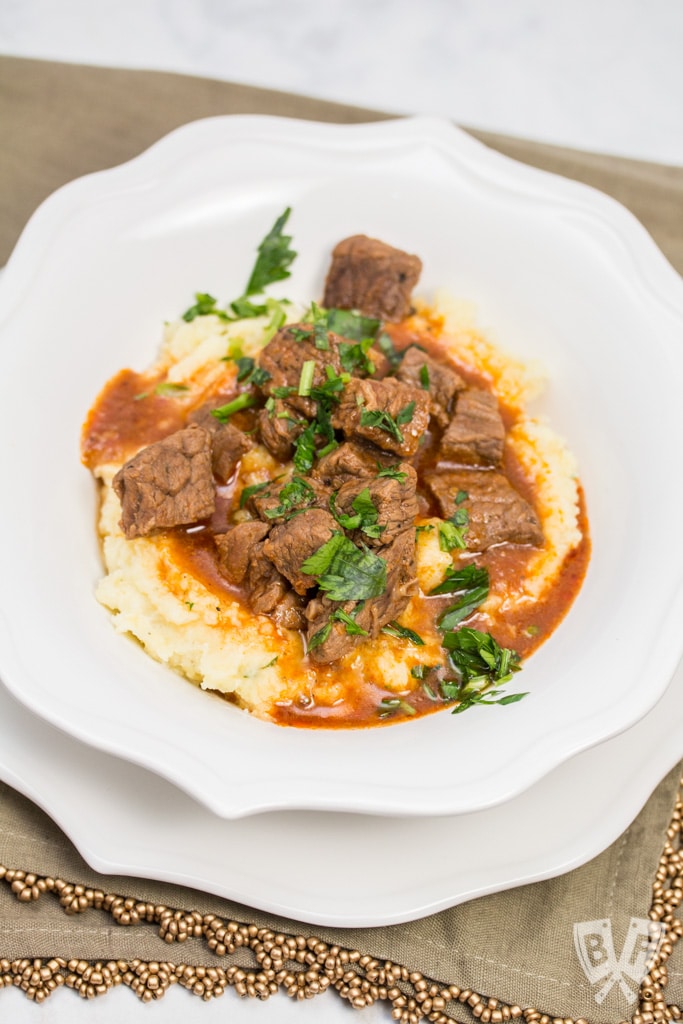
472 583
168 387
470 700
253 489
339 615
297 494
424 376
403 633
385 421
204 305
393 472
346 572
361 332
350 324
452 531
304 449
388 348
249 373
391 705
243 401
306 378
478 658
353 355
365 514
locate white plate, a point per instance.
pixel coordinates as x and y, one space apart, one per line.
125 820
563 273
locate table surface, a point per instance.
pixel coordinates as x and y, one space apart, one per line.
604 76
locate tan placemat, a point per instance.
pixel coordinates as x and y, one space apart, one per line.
513 955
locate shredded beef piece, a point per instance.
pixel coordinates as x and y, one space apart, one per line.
395 501
441 381
168 483
291 543
244 563
497 513
228 444
284 357
372 277
279 428
350 461
363 398
375 613
476 434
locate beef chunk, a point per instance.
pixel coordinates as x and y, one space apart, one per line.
290 612
395 502
291 543
377 410
476 433
299 493
235 547
497 513
279 428
228 444
371 277
441 381
169 483
374 613
284 357
337 642
244 563
351 461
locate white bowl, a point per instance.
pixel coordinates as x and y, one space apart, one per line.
562 273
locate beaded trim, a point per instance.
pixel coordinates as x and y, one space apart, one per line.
304 967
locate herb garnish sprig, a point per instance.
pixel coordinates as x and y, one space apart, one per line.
274 257
345 571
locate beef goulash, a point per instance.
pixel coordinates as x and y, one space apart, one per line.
337 515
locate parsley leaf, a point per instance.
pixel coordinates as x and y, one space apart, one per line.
354 356
304 449
350 324
243 401
393 472
390 705
383 421
169 387
252 489
389 349
386 422
477 698
403 633
249 373
274 257
452 531
365 517
479 658
297 494
472 582
345 571
352 627
406 413
205 305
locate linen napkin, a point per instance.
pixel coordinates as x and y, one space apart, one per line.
514 955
